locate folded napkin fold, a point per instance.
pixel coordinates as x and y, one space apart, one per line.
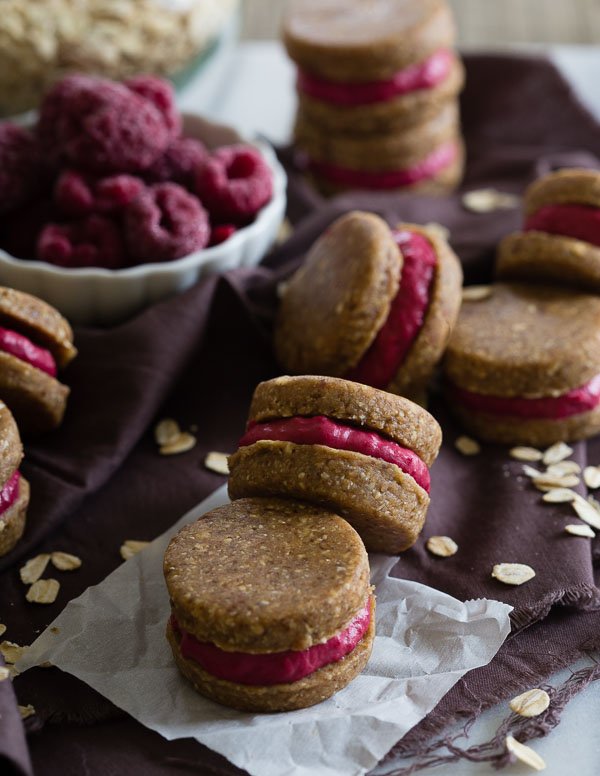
99 480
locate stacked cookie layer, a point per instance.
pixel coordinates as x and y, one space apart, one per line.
377 87
14 488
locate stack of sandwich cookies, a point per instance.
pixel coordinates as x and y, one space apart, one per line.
377 87
561 237
35 341
372 305
523 365
271 604
341 445
14 488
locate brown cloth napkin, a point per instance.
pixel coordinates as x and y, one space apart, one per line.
99 480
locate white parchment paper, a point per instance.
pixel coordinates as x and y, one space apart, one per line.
112 637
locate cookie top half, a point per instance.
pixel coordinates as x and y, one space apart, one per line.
11 449
354 40
526 341
266 575
400 419
35 319
569 186
334 305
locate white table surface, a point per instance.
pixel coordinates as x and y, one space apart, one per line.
251 88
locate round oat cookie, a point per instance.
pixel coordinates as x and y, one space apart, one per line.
11 449
353 40
525 341
429 345
377 152
569 186
395 417
540 256
266 575
36 399
39 321
12 521
386 506
387 116
337 301
312 689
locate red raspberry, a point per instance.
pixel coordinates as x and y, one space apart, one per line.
20 166
165 222
180 162
101 126
234 183
218 234
160 93
77 195
94 242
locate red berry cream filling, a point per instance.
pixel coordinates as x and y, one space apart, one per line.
274 667
320 430
407 313
9 493
582 222
22 348
437 161
424 75
582 399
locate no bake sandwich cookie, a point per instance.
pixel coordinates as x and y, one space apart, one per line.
14 488
271 604
561 237
35 341
361 452
377 87
371 304
523 365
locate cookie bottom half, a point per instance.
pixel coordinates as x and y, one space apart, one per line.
308 691
12 521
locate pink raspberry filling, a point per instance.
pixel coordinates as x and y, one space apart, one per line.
407 313
22 348
320 430
274 667
9 493
582 222
424 75
582 399
428 167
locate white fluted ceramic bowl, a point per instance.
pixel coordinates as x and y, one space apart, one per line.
96 296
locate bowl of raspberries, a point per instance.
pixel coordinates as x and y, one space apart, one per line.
112 200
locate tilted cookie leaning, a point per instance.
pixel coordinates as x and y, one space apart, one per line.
35 341
345 446
14 488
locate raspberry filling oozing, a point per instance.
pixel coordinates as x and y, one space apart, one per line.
438 160
582 399
424 75
407 313
22 348
582 222
10 492
320 430
274 667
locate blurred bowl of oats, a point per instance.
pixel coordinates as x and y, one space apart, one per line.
40 42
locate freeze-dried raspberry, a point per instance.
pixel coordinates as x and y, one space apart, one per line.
234 183
101 126
77 195
20 166
218 234
179 163
93 242
160 93
165 222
